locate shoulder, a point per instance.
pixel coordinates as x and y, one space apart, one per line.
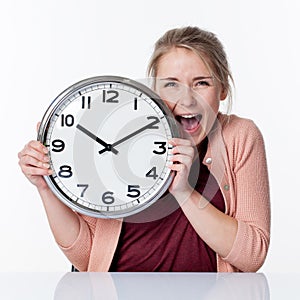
242 138
237 129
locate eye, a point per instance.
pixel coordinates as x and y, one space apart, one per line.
171 84
202 83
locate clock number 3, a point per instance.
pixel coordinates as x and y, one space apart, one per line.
162 147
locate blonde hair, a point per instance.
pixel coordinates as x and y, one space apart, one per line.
203 43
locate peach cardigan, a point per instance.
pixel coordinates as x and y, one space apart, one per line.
236 157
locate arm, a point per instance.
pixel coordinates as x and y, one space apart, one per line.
241 239
252 200
214 227
66 225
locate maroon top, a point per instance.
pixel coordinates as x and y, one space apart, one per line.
168 242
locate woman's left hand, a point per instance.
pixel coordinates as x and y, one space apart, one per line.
183 156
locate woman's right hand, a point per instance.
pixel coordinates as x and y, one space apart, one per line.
34 163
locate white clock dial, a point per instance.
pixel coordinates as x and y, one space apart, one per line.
108 145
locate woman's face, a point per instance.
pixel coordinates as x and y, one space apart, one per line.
190 91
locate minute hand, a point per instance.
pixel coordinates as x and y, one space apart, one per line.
148 126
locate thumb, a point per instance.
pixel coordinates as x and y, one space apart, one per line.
38 126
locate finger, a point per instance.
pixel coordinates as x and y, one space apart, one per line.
32 171
38 126
37 146
179 168
34 154
186 150
179 141
27 160
182 159
36 150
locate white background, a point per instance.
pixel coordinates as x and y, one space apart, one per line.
48 45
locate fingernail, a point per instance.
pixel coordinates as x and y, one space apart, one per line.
45 150
175 150
46 165
46 158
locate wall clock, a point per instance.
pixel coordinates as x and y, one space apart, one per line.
107 138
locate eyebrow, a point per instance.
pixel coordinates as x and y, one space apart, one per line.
195 78
169 78
202 77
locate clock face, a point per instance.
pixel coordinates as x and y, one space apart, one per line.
108 145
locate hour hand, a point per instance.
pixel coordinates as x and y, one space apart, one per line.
108 147
151 125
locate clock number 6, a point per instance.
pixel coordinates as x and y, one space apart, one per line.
107 198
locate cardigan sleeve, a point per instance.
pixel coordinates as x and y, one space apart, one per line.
252 203
79 252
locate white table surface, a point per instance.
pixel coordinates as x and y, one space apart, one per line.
169 286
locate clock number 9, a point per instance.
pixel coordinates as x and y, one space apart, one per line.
58 146
107 198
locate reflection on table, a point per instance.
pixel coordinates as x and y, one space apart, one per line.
163 286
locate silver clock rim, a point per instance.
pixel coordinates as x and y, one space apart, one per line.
72 90
109 214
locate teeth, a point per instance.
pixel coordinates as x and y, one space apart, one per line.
188 116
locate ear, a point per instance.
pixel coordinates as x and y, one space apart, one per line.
223 94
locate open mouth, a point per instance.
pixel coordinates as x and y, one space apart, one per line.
189 122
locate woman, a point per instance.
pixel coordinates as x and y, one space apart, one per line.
222 222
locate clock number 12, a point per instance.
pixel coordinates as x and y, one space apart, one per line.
110 96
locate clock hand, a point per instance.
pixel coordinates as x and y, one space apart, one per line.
108 147
148 126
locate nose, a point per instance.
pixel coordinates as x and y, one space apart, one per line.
187 97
